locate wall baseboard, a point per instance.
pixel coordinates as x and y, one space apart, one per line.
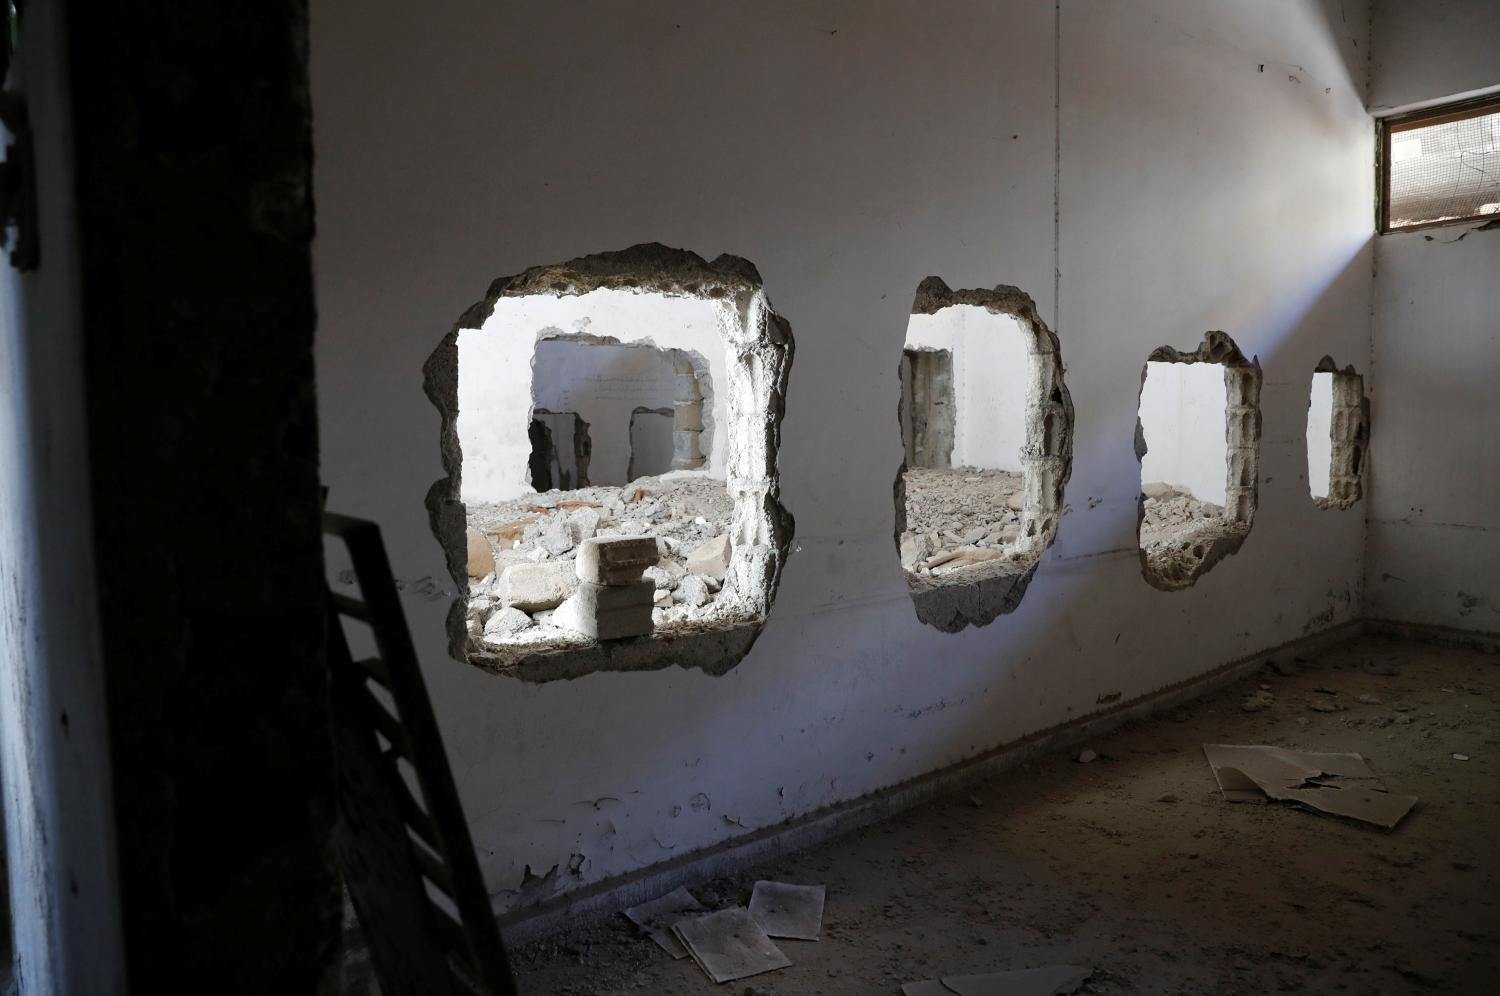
1468 639
731 857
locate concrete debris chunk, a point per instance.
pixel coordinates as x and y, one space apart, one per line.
712 558
481 557
505 622
692 590
786 910
530 587
729 945
664 579
615 560
559 537
608 612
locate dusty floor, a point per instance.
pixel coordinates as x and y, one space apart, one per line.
1133 864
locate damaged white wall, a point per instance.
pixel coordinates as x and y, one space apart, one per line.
849 150
497 374
990 371
1434 466
1183 416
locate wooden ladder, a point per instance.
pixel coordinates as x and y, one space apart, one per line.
402 841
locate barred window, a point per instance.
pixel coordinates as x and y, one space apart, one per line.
1441 166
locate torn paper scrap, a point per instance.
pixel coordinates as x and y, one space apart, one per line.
1049 980
784 910
729 945
1338 784
657 918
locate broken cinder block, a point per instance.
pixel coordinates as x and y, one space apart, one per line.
608 612
615 560
531 587
481 557
712 558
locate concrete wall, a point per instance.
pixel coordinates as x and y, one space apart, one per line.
62 911
1430 50
1435 468
502 373
1183 417
1434 462
1319 438
989 382
1129 164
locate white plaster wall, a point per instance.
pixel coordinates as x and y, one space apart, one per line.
990 367
1434 554
1427 50
58 812
1319 434
495 378
1434 465
849 150
1183 416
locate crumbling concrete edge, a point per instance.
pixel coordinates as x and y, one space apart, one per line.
982 594
1350 435
1242 381
606 898
761 522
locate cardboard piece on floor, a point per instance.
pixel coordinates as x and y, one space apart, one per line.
729 945
784 910
658 916
1338 784
1050 980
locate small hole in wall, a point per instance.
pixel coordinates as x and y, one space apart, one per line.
1338 427
1197 437
631 394
986 431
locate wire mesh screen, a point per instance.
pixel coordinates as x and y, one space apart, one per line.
1445 171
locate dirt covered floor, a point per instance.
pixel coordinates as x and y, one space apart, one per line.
960 517
1133 864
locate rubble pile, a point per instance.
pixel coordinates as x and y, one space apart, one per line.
1178 530
961 518
528 583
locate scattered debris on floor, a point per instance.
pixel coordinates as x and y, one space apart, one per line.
733 943
960 517
1050 980
523 554
783 910
1338 784
657 918
729 945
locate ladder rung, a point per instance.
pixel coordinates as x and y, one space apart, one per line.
375 668
434 868
454 937
389 726
414 816
351 607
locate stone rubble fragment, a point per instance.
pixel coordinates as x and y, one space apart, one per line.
711 559
608 612
615 560
530 587
481 557
692 590
505 622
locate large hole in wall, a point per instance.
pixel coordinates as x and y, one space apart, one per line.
986 429
1197 437
1338 435
628 394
